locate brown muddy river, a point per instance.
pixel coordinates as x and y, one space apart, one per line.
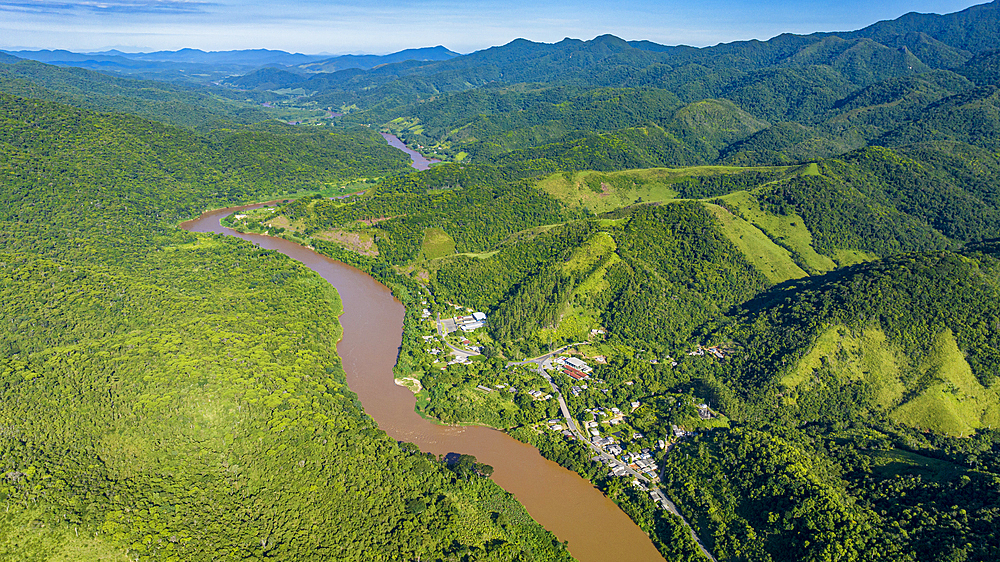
563 502
417 160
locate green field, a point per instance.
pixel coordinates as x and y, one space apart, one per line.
589 254
401 124
601 192
573 190
436 244
787 231
575 323
773 261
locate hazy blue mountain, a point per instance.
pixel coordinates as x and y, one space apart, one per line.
123 63
366 62
245 57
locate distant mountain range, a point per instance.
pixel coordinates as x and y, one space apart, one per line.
822 211
201 65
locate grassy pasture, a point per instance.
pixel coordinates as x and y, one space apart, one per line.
572 189
953 401
437 244
787 231
773 261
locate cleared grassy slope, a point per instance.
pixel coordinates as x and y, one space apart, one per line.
952 400
789 231
940 393
773 261
572 189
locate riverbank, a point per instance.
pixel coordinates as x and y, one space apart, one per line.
373 324
670 535
420 162
641 508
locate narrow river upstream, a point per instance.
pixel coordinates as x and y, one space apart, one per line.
560 500
417 160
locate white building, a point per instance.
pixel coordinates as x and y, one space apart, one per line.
578 364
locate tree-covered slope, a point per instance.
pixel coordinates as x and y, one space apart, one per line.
650 274
862 57
165 395
228 165
971 30
838 492
910 336
772 501
478 206
194 107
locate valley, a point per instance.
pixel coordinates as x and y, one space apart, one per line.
592 299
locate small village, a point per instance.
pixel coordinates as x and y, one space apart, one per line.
624 451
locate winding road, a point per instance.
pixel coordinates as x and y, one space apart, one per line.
539 363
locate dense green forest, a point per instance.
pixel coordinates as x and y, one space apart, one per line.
821 209
187 106
175 396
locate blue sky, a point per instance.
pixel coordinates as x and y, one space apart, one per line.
367 26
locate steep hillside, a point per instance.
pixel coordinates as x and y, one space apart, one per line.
790 99
649 274
913 337
969 30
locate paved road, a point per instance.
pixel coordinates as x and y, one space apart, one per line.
605 457
669 505
542 358
453 348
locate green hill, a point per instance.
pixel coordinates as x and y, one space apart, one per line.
645 281
783 222
193 107
910 336
771 502
824 94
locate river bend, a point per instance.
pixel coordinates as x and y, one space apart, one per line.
560 500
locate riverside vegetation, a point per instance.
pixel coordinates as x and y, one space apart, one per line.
824 208
171 396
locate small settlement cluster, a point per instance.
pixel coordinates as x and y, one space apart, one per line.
716 351
466 324
640 462
612 446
